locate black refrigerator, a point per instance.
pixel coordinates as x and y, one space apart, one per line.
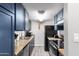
49 32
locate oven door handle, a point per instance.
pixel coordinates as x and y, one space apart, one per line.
54 46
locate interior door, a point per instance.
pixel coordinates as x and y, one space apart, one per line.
5 34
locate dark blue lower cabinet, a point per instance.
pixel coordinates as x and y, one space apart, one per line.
26 51
31 46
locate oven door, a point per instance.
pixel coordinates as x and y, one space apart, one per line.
53 50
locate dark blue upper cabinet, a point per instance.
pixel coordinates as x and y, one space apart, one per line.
8 6
6 32
20 18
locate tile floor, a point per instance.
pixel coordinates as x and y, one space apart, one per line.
39 51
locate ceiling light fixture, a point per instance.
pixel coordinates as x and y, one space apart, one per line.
41 15
41 11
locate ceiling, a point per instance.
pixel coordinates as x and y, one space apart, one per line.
50 10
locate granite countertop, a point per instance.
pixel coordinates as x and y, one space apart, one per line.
20 44
61 50
53 38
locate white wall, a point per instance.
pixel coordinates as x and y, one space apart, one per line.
73 22
65 29
39 33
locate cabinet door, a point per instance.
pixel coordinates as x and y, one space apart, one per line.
5 34
59 16
20 25
8 6
26 51
31 46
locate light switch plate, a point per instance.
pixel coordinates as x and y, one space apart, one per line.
76 37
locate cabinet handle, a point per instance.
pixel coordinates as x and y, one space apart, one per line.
54 47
